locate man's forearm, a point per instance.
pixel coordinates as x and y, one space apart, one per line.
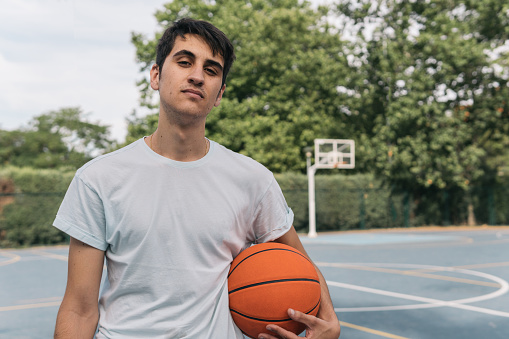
326 311
72 325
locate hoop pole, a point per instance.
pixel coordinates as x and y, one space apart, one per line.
330 159
311 192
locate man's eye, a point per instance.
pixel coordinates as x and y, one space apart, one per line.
211 71
184 63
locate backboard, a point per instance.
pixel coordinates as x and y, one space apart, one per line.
334 153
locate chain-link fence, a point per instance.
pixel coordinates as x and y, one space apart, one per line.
26 218
366 208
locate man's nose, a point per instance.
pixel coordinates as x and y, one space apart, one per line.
196 76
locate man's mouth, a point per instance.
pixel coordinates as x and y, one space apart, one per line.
194 91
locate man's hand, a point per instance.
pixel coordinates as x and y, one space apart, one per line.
316 328
326 324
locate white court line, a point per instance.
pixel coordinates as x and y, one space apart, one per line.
428 302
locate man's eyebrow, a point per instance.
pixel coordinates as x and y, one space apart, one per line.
190 54
184 52
215 64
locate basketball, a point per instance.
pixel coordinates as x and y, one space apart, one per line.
266 280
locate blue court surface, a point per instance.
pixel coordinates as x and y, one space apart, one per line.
404 283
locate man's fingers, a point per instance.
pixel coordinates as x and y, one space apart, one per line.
266 336
303 318
281 333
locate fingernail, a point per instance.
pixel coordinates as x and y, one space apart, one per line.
291 312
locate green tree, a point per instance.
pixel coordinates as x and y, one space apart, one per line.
283 90
138 127
54 139
434 99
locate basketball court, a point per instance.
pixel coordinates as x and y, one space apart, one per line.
401 283
423 283
404 283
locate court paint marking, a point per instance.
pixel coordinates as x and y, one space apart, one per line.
496 264
429 302
487 265
29 306
504 285
13 258
370 330
416 273
389 238
40 300
50 255
49 302
490 242
56 256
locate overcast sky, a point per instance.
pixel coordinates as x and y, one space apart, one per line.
61 53
68 53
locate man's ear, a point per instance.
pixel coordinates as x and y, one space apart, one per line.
220 96
154 77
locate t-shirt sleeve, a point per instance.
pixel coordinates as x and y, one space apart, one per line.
272 217
81 215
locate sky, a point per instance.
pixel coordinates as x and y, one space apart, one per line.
70 53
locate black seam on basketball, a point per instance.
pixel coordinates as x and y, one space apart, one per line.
268 249
260 319
271 320
247 335
318 303
272 282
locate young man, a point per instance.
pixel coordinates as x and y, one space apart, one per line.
170 212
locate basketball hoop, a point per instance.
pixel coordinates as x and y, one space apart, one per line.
329 153
334 153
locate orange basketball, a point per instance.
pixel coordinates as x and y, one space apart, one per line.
265 281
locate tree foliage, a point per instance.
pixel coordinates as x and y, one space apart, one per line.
421 86
55 139
433 97
282 90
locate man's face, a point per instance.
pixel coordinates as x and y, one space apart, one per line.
190 83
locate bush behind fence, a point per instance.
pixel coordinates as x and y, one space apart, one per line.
345 202
29 200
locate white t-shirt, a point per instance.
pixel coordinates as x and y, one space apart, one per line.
170 231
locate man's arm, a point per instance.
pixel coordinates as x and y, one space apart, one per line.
78 314
326 323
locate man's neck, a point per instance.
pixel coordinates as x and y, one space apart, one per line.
178 144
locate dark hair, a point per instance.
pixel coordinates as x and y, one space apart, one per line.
217 41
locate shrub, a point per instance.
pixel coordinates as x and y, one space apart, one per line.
27 218
342 201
